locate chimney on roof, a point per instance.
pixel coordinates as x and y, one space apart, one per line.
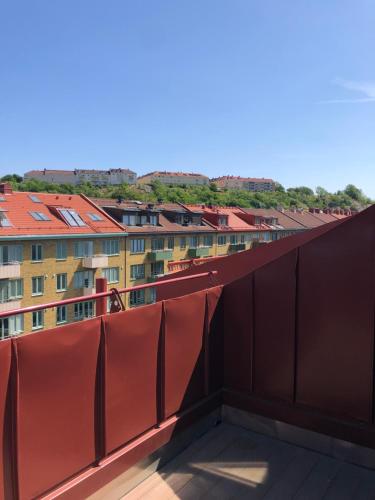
6 188
120 199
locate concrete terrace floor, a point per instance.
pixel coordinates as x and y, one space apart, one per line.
232 462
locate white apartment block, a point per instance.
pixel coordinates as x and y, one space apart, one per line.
245 183
113 176
174 178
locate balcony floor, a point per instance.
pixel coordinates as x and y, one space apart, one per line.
231 462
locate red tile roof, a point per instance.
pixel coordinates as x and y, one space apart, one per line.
284 221
18 205
307 219
235 223
238 178
165 226
173 174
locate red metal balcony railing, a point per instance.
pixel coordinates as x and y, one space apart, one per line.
99 297
181 265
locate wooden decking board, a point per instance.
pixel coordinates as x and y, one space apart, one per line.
344 484
366 487
225 475
177 472
319 479
231 462
294 476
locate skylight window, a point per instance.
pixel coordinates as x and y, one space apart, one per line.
39 216
4 221
34 198
2 198
71 217
94 217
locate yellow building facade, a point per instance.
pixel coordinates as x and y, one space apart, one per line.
47 257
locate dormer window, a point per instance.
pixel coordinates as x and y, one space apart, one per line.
222 220
71 217
153 220
129 220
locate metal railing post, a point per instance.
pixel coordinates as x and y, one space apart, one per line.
101 302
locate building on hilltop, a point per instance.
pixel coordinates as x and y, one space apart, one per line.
110 177
53 247
175 178
245 183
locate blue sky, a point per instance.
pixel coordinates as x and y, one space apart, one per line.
282 89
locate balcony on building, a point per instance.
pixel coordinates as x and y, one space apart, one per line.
10 270
95 261
198 252
89 290
9 305
156 255
154 277
237 247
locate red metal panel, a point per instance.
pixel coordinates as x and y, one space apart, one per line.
215 323
57 371
274 331
5 357
235 266
131 366
184 326
336 328
238 339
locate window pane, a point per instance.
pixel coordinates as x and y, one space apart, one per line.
61 250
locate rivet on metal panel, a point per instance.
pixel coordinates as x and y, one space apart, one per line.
116 301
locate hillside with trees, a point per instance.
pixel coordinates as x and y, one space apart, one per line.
298 197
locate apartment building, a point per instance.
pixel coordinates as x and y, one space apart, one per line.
175 178
53 247
235 231
158 234
245 183
110 177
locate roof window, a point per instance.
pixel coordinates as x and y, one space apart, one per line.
39 216
94 217
34 198
4 221
71 217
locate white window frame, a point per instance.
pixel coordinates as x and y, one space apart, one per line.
40 289
11 254
138 296
112 274
135 273
59 309
61 279
37 251
61 250
12 325
84 310
37 320
111 247
83 279
83 248
137 245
